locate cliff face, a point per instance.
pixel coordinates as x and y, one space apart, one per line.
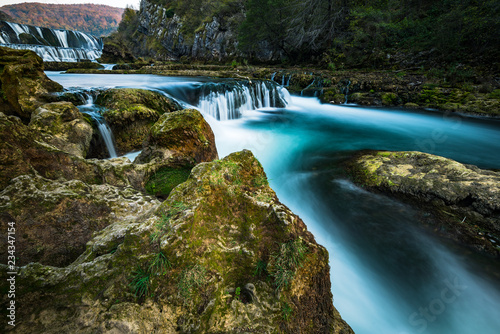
217 40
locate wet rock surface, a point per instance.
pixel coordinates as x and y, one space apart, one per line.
464 200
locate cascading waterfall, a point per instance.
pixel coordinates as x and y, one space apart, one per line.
225 101
51 44
90 109
347 91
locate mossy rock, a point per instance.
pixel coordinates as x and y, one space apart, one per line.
448 189
162 181
183 134
211 232
23 82
130 114
55 219
62 125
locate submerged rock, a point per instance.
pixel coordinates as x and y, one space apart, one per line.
221 254
130 114
463 199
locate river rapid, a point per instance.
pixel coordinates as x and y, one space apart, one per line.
388 274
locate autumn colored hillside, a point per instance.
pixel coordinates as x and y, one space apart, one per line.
98 20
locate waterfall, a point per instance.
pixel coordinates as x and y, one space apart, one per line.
108 67
347 91
51 44
227 100
103 127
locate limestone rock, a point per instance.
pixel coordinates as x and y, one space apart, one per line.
22 82
130 114
181 135
63 126
208 260
464 199
57 218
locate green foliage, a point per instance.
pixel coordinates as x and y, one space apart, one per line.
452 29
286 262
495 94
237 293
265 20
160 264
191 278
141 281
260 269
286 311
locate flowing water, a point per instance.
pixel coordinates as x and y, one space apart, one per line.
388 275
51 44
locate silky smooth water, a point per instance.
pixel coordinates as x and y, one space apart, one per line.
388 275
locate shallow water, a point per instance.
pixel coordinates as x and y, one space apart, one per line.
388 275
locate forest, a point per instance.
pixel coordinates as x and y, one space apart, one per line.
98 20
356 33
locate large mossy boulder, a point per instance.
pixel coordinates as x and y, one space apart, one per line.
23 83
62 125
23 151
175 144
220 255
464 201
184 134
57 218
130 114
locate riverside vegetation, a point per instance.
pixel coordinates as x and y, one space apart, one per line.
176 241
417 54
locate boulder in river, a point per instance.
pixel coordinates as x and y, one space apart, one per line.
464 200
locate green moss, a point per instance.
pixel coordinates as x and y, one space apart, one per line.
389 99
165 179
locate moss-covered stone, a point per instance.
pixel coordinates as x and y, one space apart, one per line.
62 125
130 114
56 219
184 135
464 200
22 82
213 230
165 179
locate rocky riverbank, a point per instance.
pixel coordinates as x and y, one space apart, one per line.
176 241
459 201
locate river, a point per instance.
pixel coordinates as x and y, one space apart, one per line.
388 275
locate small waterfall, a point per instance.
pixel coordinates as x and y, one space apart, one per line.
309 86
225 101
273 75
347 91
108 67
103 127
51 44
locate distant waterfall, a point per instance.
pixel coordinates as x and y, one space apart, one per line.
226 100
51 44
